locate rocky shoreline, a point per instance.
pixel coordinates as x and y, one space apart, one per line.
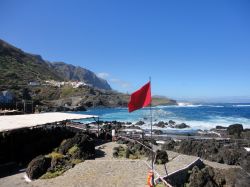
68 151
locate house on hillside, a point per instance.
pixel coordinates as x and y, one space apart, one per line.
34 83
6 97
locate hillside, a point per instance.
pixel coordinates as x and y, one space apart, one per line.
19 68
77 73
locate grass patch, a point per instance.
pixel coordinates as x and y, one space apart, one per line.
73 150
50 175
76 161
160 185
55 155
67 91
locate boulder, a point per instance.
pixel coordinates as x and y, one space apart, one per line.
140 123
204 178
171 122
220 128
235 129
161 157
160 124
158 132
38 166
83 144
182 126
169 145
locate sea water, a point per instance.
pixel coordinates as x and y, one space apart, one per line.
197 116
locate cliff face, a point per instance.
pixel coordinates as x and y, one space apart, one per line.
71 72
20 68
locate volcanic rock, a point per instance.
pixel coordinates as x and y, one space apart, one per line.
38 166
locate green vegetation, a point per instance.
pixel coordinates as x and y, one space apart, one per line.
73 150
125 152
76 161
68 91
160 185
55 155
50 174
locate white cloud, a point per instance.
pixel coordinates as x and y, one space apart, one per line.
103 75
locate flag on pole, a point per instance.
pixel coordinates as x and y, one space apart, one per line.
140 98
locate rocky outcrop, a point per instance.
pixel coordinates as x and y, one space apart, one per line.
169 145
211 177
38 166
215 151
235 130
70 152
161 157
77 73
205 177
81 146
161 124
157 132
181 126
140 123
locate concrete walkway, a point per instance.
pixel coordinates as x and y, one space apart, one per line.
106 171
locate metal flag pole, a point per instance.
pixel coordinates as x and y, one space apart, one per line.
151 133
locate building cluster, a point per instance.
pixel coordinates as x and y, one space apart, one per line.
74 84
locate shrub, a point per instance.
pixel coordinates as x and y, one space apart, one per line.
73 150
55 155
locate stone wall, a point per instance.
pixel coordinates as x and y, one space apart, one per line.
179 177
22 145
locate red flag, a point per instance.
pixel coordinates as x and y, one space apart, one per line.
140 98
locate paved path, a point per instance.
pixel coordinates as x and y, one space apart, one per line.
106 171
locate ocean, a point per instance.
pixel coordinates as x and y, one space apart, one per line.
197 116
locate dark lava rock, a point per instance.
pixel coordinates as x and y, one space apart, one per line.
182 126
236 177
235 130
160 124
38 166
158 132
245 162
169 145
231 153
207 149
171 122
205 177
133 127
83 142
140 123
242 179
220 128
230 156
161 157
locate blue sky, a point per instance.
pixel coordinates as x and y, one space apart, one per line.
191 49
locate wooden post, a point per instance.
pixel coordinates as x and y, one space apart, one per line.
98 133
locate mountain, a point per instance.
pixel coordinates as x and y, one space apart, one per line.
19 68
77 73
